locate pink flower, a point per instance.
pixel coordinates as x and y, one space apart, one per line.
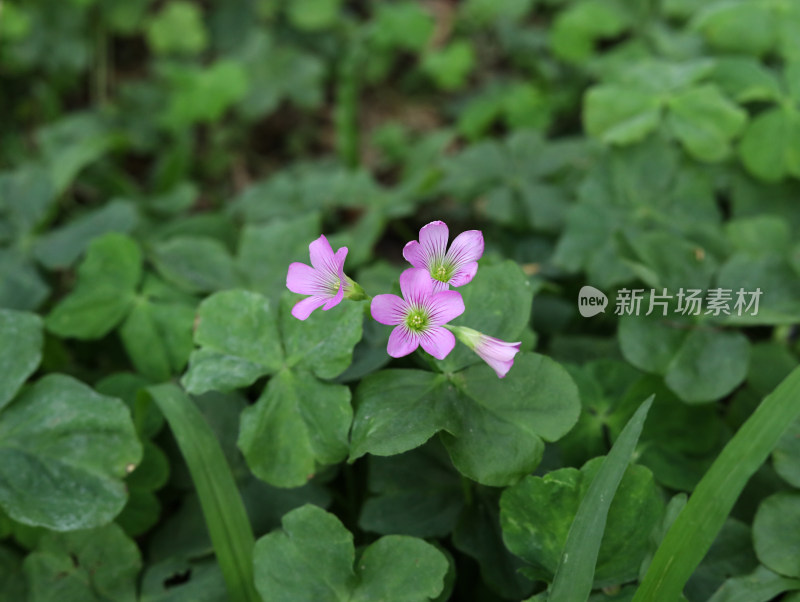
419 316
498 354
325 282
453 267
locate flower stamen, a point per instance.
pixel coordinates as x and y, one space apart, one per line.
417 320
441 273
333 285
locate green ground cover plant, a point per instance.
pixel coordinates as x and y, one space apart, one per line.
403 301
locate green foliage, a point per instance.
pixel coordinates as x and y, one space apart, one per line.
299 419
71 144
238 334
311 537
61 247
493 443
699 363
105 290
203 94
65 449
402 25
297 424
575 572
21 360
751 27
195 264
177 28
786 456
87 565
313 15
537 513
266 250
769 148
450 66
223 508
760 586
12 582
698 115
576 29
290 74
416 493
155 322
498 302
679 554
775 548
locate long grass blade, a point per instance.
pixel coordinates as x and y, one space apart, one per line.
575 571
226 518
696 527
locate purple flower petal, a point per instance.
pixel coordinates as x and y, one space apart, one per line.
415 254
302 309
500 367
433 239
466 248
416 285
338 260
402 341
335 300
443 307
498 354
324 282
457 265
438 341
439 286
303 279
464 274
322 257
388 309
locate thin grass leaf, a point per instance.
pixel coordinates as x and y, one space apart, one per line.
226 518
575 572
696 527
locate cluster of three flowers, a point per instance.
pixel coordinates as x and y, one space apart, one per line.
427 305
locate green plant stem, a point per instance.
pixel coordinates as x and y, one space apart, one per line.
698 524
223 509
